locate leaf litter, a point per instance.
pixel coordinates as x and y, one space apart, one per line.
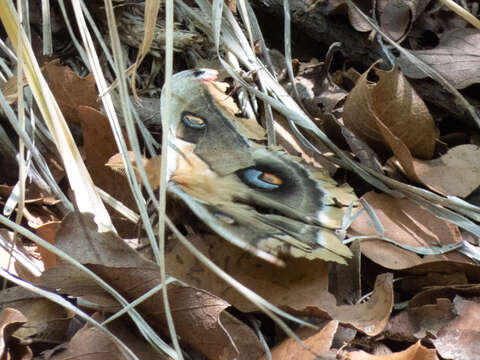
402 284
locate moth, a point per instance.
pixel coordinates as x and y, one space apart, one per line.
259 199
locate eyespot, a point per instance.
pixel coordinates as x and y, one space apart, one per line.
261 179
194 121
271 179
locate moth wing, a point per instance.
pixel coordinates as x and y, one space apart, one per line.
266 236
298 193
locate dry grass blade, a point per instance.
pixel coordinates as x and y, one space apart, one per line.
80 181
460 11
151 13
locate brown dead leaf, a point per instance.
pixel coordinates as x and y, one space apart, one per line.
457 173
45 321
397 17
242 336
10 321
316 343
372 316
306 285
300 287
406 223
93 344
415 322
460 340
195 312
70 90
394 17
393 102
99 146
415 352
457 58
48 233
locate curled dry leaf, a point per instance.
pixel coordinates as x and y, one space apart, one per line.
11 320
44 321
457 58
393 102
395 17
406 223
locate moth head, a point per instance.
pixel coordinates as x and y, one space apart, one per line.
195 117
188 94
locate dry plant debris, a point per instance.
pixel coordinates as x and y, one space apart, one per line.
411 289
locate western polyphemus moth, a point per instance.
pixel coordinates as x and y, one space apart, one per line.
259 199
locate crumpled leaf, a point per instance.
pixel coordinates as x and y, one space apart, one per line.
406 223
391 105
395 17
457 58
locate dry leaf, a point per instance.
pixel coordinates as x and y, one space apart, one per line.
195 312
417 322
11 320
48 232
316 342
99 145
393 102
406 223
372 316
93 344
301 286
396 17
457 173
460 340
70 90
415 352
45 321
456 57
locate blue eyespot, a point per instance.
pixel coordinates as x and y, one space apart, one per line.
261 179
194 121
